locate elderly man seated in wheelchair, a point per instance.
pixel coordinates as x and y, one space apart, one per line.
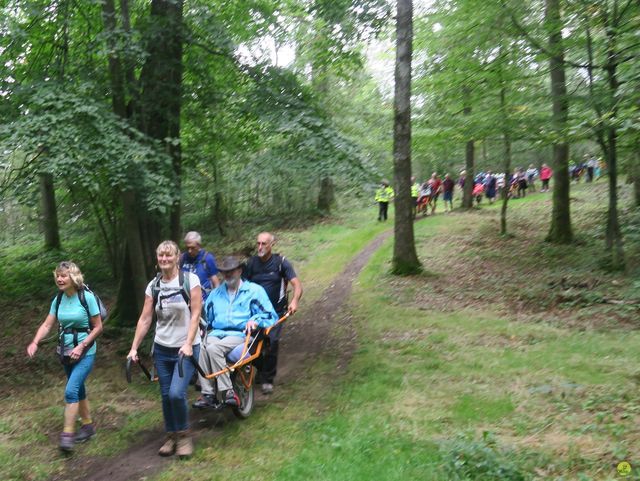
233 309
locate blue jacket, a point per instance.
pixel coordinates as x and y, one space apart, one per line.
203 265
227 318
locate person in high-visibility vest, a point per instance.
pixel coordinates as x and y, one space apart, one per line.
384 195
415 190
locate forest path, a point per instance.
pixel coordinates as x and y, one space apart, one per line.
308 336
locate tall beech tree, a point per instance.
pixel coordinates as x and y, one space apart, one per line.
617 24
560 230
161 93
469 155
49 212
405 259
134 260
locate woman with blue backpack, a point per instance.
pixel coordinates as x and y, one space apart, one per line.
77 311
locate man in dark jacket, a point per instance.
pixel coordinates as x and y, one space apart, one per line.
274 273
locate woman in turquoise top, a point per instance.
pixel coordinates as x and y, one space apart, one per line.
79 327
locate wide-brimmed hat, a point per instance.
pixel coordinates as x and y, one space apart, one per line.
229 263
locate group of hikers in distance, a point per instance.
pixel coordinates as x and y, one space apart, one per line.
487 184
233 298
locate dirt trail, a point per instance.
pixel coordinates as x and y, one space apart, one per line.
307 336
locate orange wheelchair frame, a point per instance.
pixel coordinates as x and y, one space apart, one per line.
242 372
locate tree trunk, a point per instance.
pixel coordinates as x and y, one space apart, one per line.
129 64
161 90
49 212
116 76
219 208
636 177
326 196
134 272
127 310
137 270
613 236
405 259
467 191
560 231
606 133
506 137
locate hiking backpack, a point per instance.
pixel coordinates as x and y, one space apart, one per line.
249 273
75 330
184 290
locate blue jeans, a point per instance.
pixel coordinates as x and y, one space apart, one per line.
76 376
173 388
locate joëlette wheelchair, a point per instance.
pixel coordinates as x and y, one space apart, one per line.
240 366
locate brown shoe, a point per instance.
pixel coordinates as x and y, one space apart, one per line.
169 446
184 445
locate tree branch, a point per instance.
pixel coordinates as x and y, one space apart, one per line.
537 45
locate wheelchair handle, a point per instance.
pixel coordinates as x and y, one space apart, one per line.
128 370
145 370
195 363
142 366
180 368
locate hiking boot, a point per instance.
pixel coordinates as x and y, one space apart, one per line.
231 398
85 432
206 401
184 445
169 446
267 388
66 441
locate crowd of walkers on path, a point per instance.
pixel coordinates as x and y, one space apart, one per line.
232 298
489 185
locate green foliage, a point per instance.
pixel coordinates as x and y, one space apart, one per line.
468 459
28 271
82 143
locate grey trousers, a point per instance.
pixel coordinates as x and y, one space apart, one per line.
212 359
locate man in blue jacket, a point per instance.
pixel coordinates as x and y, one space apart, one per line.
231 310
200 262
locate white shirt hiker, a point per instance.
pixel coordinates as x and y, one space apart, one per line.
173 313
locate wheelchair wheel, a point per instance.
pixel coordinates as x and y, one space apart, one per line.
240 380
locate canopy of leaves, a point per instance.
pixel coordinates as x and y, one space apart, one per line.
84 145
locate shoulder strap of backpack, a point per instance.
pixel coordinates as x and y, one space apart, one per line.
83 301
58 300
248 268
281 259
155 291
185 287
203 261
285 282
